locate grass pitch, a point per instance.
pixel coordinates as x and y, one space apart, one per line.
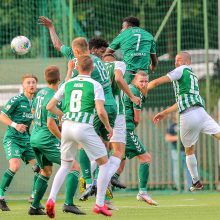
192 206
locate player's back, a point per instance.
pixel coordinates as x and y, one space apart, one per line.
136 45
79 93
40 133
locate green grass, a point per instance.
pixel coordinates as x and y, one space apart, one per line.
189 206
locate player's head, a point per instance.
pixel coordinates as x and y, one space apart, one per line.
130 21
84 65
80 46
109 57
52 75
182 58
97 46
141 80
29 83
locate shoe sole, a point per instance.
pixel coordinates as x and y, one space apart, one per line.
192 189
100 212
140 199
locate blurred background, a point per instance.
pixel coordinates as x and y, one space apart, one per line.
192 26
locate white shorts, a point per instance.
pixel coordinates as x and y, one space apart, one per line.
119 130
193 122
74 133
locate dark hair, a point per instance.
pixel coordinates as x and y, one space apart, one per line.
132 21
97 43
109 54
52 74
85 63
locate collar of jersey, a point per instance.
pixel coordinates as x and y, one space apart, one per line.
84 76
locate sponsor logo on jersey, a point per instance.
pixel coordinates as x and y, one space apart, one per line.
23 106
27 115
7 107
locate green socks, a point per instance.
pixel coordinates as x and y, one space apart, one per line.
6 181
143 176
40 188
85 166
72 180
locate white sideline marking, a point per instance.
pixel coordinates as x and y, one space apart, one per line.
160 206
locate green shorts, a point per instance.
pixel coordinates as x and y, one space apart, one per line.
15 149
48 154
134 146
98 125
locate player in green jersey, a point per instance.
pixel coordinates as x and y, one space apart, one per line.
82 95
138 48
193 118
45 141
16 114
134 147
97 47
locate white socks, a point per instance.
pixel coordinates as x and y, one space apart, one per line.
59 179
191 163
93 165
102 183
114 165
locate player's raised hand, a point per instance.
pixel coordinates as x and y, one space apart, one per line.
158 117
135 100
71 65
45 21
21 128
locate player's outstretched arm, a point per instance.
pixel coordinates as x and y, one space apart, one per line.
159 81
124 86
99 105
53 35
7 121
52 107
161 115
53 128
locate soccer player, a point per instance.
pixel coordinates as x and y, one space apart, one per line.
116 70
138 48
17 115
193 117
45 141
82 95
80 47
134 147
97 46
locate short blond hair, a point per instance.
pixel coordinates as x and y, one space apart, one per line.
81 44
28 75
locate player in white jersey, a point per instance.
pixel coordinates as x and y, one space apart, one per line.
193 118
82 96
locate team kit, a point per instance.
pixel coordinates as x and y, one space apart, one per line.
86 123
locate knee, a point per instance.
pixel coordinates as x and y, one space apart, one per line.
189 151
14 165
145 158
75 166
46 172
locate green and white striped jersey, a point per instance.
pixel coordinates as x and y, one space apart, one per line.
79 96
117 92
186 88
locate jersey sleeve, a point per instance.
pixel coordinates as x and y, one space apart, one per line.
119 65
99 92
60 93
67 52
10 106
176 74
137 93
153 47
115 43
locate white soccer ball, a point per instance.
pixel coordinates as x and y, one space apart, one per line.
20 45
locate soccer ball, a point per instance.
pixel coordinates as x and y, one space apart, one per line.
20 45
